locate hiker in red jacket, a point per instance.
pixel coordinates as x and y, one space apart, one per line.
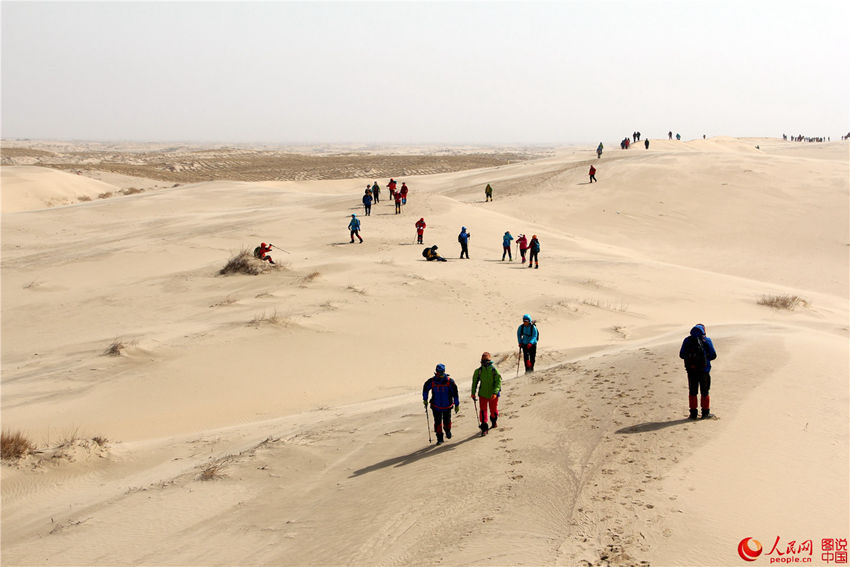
522 244
403 192
397 198
261 252
391 186
420 230
592 174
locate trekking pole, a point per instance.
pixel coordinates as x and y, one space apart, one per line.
428 421
477 414
518 356
279 248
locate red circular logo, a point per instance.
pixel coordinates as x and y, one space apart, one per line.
747 551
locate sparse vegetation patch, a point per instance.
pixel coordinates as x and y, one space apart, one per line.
245 263
787 302
14 445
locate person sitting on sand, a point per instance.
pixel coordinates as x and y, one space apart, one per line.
260 252
431 254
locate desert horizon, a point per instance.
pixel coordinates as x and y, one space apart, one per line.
180 416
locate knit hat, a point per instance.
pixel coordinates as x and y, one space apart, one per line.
441 369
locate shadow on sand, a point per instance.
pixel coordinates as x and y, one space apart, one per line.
653 426
414 456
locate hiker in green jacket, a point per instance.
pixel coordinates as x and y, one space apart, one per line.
487 383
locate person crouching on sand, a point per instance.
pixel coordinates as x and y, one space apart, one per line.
260 252
431 254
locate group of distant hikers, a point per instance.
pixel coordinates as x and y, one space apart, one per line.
697 349
697 352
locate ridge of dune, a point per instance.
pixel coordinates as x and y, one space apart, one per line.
26 187
300 388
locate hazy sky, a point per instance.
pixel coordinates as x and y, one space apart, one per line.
414 72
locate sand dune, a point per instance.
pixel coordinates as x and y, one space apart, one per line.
30 187
299 390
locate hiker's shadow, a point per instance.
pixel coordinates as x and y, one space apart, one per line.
653 426
414 456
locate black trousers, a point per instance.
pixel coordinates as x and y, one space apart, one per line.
699 382
442 419
529 353
464 249
532 257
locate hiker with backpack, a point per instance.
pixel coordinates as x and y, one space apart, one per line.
487 383
463 239
444 397
599 150
592 174
391 186
260 252
431 254
527 336
533 251
397 199
698 351
376 192
522 244
420 230
506 246
354 227
367 202
488 193
403 192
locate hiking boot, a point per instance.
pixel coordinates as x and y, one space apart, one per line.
529 265
693 414
484 429
493 422
536 266
448 433
706 413
439 438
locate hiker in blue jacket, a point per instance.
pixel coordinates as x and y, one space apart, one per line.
354 227
463 239
698 351
506 246
526 336
444 397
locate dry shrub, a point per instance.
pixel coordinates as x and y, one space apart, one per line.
99 440
273 319
310 277
15 445
215 469
115 348
84 198
245 263
131 191
787 302
105 195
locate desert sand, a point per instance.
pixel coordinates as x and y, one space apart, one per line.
297 393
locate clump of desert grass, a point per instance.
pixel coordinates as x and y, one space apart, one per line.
15 445
309 277
245 263
786 302
215 469
274 318
116 348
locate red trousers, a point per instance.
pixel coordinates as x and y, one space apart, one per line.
492 403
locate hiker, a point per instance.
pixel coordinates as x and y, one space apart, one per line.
638 137
420 230
646 143
698 351
526 336
670 135
463 239
397 199
487 383
261 250
367 202
431 254
354 227
403 192
533 251
592 174
506 246
488 193
391 186
599 150
522 244
678 137
376 192
443 397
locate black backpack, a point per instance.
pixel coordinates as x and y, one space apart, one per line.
258 252
694 354
425 253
